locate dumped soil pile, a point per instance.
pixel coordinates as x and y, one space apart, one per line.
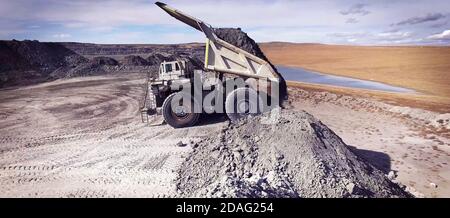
25 62
96 66
134 60
156 59
297 156
105 61
192 61
43 56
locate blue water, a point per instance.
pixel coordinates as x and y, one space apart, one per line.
302 75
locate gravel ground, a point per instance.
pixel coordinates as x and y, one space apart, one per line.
410 144
83 138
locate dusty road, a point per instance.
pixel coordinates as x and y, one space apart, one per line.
83 137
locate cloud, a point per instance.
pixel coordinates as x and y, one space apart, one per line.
439 25
356 9
352 20
387 37
394 35
417 20
348 34
61 35
445 35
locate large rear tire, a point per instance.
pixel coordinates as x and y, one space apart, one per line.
242 102
182 115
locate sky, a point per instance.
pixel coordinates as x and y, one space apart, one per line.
354 22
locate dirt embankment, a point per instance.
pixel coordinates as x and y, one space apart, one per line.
26 62
297 156
29 62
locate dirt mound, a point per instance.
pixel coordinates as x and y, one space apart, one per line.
11 59
43 56
297 156
192 61
25 62
105 61
134 60
156 59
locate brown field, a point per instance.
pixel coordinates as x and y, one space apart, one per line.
423 68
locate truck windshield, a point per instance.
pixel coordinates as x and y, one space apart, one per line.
168 68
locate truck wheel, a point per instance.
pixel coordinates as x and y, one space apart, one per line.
242 102
182 114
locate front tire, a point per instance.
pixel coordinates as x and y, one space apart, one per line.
182 115
242 102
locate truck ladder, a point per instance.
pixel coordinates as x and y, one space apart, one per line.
149 105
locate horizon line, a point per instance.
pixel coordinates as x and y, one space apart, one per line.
267 42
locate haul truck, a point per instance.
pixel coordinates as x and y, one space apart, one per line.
224 64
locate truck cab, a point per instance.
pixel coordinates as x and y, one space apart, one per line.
172 70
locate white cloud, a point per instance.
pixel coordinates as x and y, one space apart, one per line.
62 35
397 35
422 19
352 20
376 38
349 34
441 36
356 9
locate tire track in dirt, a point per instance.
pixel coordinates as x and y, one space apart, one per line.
67 144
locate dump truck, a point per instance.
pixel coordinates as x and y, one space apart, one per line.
232 81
